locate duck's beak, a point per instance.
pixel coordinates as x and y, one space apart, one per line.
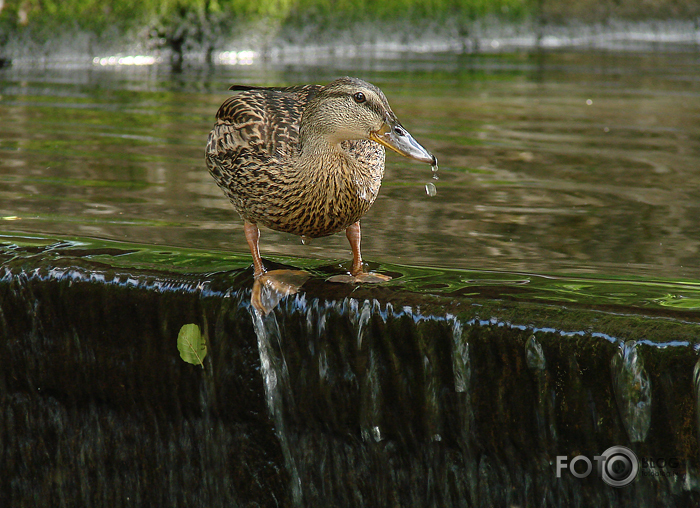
393 135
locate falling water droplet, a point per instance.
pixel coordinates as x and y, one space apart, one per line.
305 240
430 189
435 171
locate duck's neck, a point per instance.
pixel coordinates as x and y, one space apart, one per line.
320 154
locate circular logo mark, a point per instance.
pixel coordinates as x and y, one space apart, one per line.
620 467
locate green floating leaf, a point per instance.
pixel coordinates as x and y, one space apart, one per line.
191 344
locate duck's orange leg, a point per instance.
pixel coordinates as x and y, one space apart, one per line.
358 273
252 235
354 237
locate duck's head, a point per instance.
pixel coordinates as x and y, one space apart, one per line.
349 109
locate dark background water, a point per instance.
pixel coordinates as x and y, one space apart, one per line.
569 162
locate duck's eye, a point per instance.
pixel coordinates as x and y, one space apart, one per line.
359 97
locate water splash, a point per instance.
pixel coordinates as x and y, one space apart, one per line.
371 394
305 240
460 359
535 354
362 319
632 389
278 390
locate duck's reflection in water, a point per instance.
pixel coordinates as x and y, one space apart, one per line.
272 286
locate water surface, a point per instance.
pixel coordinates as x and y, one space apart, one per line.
570 162
561 173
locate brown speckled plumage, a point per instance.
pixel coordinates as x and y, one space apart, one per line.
300 159
254 154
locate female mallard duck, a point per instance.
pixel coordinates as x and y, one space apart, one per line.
307 160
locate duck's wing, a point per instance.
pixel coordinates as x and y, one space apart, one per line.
261 120
254 139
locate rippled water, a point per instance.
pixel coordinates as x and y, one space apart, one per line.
571 162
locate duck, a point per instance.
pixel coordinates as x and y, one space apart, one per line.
306 160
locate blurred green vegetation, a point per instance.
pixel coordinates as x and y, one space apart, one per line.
202 25
99 15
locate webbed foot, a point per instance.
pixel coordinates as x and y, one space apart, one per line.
270 287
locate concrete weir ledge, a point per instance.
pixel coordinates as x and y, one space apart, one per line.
440 388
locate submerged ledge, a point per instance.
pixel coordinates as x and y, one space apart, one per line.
440 388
